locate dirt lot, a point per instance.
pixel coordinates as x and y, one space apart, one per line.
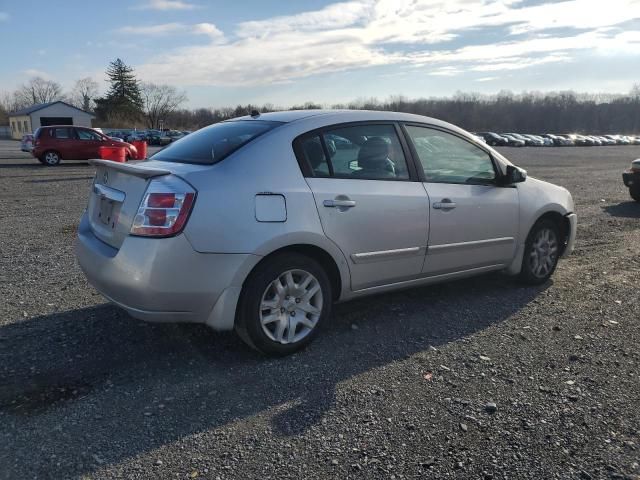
397 386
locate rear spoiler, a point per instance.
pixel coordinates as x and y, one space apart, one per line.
132 169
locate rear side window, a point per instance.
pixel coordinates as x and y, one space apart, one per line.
313 153
212 144
364 152
61 133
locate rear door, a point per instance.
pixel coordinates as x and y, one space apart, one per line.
370 202
63 140
474 221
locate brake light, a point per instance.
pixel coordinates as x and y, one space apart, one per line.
164 209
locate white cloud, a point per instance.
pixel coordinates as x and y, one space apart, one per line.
4 16
337 15
365 33
165 5
163 29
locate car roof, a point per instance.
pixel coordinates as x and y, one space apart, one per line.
321 118
67 126
340 116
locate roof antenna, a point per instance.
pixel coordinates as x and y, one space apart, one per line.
255 113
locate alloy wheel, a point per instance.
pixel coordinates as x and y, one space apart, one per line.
51 158
544 252
291 306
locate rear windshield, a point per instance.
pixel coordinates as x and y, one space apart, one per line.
212 144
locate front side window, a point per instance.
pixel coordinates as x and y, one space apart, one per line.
211 144
87 135
446 158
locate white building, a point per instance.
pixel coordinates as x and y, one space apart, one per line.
28 120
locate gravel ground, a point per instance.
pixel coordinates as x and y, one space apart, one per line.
476 379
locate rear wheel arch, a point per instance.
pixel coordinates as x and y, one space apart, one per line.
314 252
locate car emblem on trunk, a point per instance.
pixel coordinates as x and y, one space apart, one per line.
105 178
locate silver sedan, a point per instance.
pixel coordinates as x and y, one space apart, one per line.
261 223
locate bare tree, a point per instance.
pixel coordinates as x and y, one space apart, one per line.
160 101
39 90
83 93
11 102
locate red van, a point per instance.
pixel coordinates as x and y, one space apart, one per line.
57 142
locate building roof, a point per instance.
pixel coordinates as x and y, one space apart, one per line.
40 106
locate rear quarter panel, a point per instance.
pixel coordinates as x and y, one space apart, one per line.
224 217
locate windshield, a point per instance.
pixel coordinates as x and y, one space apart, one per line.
212 144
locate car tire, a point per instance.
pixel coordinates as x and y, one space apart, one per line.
51 158
541 253
634 191
283 304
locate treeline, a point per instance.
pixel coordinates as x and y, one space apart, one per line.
560 112
130 103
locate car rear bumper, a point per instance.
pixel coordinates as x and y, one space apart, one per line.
573 226
631 178
165 279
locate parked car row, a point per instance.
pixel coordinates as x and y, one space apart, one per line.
151 136
555 140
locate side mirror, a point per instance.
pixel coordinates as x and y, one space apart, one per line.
514 175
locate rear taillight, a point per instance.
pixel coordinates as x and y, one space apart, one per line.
164 209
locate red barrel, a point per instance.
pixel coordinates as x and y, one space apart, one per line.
141 147
116 154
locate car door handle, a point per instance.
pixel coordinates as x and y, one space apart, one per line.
339 203
445 204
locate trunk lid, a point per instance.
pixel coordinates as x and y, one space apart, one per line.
115 196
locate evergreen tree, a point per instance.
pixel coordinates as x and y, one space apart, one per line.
123 101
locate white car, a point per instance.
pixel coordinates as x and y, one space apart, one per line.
261 223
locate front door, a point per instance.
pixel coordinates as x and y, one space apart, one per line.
368 202
89 143
474 221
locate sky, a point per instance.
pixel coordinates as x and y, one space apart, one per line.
223 53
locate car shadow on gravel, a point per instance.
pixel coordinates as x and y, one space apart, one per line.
100 373
624 210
